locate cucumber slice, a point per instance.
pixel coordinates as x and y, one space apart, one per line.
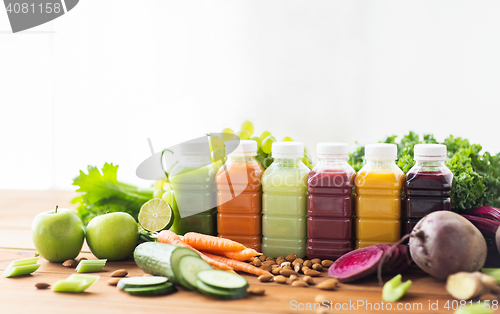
13 271
222 279
220 293
139 282
164 288
189 267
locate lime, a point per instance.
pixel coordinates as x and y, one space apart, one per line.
156 215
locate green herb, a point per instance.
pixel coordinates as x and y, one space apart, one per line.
476 180
101 192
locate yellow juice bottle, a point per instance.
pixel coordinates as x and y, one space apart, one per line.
378 201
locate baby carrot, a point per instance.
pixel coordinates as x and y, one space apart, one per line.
210 243
169 237
239 266
243 255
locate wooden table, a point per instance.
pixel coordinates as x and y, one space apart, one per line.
19 295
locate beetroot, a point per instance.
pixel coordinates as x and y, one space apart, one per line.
365 261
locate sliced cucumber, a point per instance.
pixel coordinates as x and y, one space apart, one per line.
161 259
140 282
189 267
222 279
164 288
13 271
225 294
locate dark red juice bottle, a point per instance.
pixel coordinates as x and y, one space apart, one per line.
427 185
329 225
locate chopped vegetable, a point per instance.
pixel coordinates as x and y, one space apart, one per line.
222 280
242 255
21 267
394 289
137 282
444 243
162 289
75 283
90 266
102 193
239 266
210 243
169 237
465 286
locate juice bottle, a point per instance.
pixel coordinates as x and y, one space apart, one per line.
329 226
239 195
284 201
378 204
195 190
427 185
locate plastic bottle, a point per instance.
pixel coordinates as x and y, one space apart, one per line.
239 195
330 183
378 201
284 202
427 185
195 190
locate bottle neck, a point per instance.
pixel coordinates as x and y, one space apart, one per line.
426 163
240 158
287 162
380 163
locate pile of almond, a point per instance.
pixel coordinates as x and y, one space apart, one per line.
288 270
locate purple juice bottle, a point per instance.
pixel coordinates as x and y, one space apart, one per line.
427 185
330 224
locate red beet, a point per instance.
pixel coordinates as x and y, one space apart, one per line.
356 264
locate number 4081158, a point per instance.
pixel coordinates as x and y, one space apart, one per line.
43 8
464 305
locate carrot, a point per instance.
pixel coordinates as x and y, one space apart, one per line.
243 255
239 266
169 237
210 243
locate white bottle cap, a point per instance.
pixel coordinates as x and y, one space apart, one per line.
332 150
287 150
381 151
429 152
197 147
243 148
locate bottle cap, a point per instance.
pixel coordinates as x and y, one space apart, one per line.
242 148
197 147
287 150
429 152
381 151
332 150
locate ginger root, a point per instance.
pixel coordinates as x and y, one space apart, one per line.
465 286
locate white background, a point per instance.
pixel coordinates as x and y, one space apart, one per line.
93 85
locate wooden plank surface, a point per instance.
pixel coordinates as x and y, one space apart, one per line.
18 295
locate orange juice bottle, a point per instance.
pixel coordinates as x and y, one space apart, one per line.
239 195
378 202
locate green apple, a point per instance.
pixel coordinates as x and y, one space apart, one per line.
58 234
112 236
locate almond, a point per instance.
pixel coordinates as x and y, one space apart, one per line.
299 283
317 267
316 261
276 271
286 267
265 278
269 258
256 291
42 285
293 278
69 263
280 259
119 273
288 272
269 262
266 267
285 264
308 280
326 263
311 272
296 268
257 262
304 268
329 284
291 257
307 263
113 281
280 279
262 258
298 261
320 298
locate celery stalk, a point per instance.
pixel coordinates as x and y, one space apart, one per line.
13 271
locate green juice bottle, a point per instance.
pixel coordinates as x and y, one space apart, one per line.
284 202
195 190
